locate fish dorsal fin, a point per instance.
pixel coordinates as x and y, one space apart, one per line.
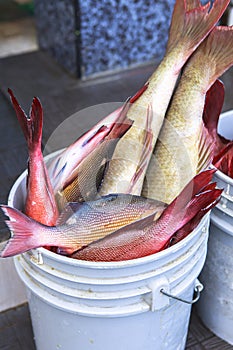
213 106
205 149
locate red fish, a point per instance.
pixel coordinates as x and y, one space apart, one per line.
83 182
141 239
79 225
64 168
40 201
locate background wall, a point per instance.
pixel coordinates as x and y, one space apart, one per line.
92 37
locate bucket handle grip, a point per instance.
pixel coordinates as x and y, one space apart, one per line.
197 292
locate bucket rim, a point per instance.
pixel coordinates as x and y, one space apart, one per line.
220 222
225 178
226 113
225 210
124 263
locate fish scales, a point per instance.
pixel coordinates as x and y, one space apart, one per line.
184 145
191 23
40 200
143 238
79 225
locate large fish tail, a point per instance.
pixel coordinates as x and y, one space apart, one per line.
25 232
32 126
28 233
192 22
214 56
32 130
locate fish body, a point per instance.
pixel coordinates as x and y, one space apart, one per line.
141 145
84 181
40 201
87 157
191 23
184 146
63 169
79 224
143 238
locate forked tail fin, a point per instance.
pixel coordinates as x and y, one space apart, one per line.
192 22
214 56
31 126
25 233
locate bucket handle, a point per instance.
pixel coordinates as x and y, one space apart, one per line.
197 292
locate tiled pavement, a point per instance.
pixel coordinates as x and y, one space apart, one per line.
61 95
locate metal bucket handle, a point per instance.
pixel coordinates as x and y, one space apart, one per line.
197 292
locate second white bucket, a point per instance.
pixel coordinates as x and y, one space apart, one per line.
119 306
215 308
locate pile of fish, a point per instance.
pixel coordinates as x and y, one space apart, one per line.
138 181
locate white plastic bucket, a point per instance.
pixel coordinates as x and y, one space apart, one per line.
93 305
225 125
215 307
